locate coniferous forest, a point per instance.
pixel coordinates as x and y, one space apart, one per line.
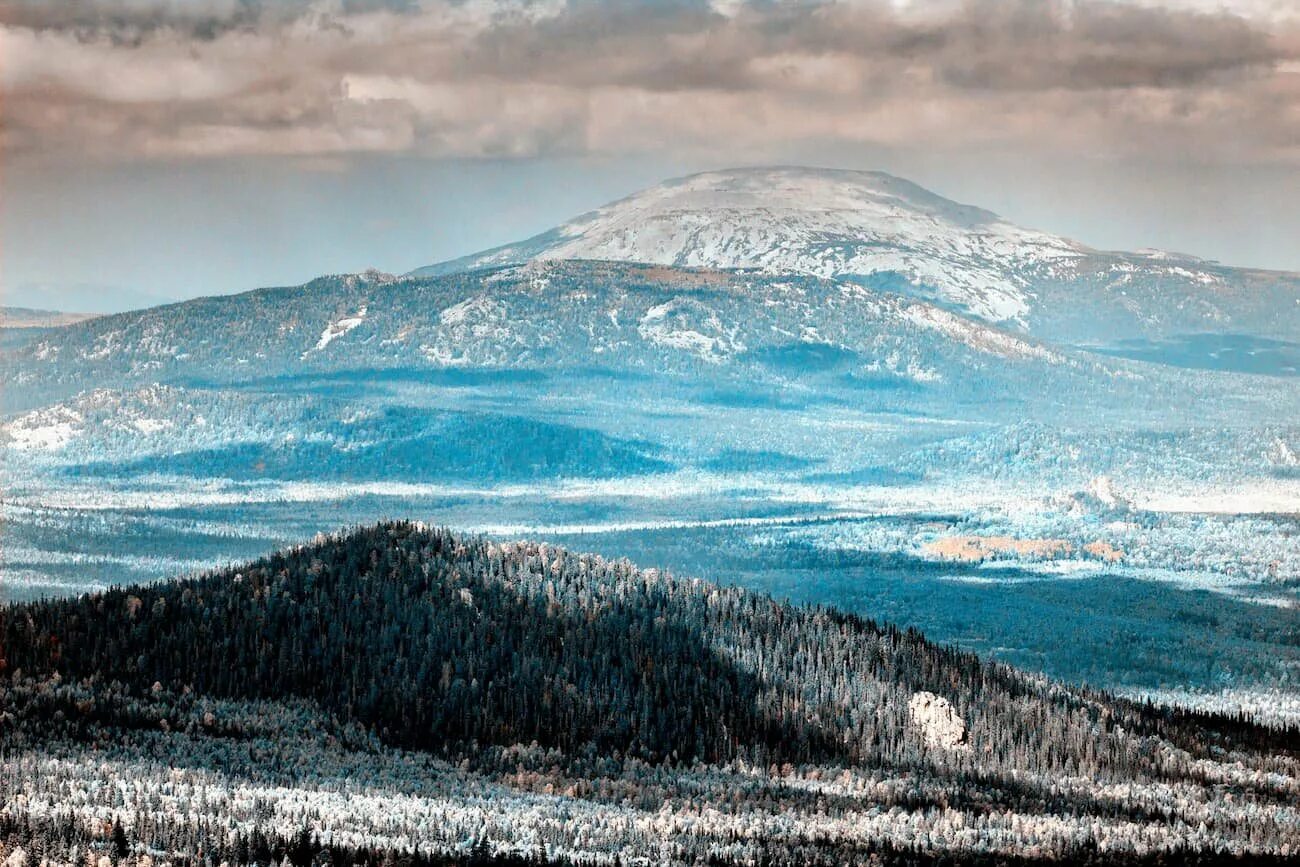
408 696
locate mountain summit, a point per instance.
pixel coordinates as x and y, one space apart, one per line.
889 233
814 221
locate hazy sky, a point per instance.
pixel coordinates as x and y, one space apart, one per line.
160 149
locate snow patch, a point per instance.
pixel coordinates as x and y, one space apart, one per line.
150 425
44 429
338 328
471 308
1281 454
690 326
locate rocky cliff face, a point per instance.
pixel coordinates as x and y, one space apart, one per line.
937 721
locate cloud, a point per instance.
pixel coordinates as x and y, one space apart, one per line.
149 79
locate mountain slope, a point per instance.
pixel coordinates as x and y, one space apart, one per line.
827 223
544 316
877 228
662 708
371 377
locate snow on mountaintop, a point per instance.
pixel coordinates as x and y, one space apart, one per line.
822 222
893 236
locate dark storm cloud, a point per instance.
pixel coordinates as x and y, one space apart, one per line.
133 79
201 19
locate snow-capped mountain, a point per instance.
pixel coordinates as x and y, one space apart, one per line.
890 233
827 223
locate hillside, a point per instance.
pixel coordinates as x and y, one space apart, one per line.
368 376
545 316
887 232
403 690
372 377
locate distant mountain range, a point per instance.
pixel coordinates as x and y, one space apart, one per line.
193 377
542 315
196 375
26 317
889 233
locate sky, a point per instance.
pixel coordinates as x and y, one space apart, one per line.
154 150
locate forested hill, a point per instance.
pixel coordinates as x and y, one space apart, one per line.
414 639
437 640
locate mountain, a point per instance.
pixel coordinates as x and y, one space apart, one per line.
848 441
545 316
890 233
405 690
26 317
365 377
829 223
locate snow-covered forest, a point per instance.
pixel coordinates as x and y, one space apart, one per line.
401 692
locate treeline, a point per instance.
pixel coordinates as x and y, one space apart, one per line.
41 841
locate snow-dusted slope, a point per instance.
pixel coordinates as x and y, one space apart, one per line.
890 233
545 314
827 223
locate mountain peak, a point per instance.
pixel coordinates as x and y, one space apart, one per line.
888 234
833 223
820 189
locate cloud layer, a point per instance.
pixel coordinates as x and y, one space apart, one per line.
149 79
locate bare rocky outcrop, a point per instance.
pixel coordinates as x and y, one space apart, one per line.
937 721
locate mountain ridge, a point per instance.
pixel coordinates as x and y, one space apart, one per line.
630 316
892 233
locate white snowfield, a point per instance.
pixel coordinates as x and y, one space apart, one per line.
338 328
813 221
50 428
